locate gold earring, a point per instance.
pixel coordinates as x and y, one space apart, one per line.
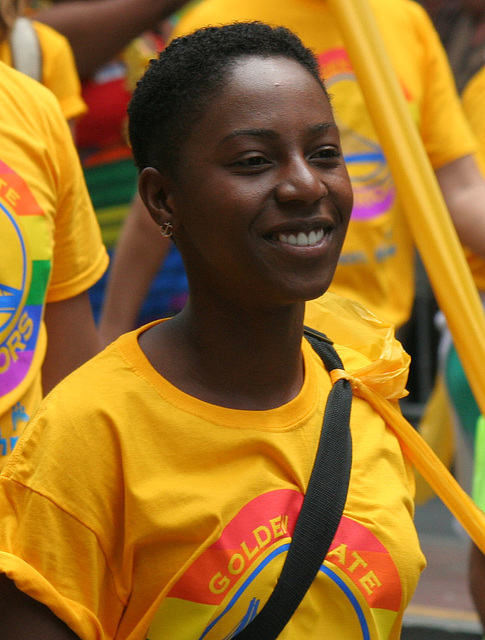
166 229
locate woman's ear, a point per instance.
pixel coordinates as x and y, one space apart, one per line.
155 191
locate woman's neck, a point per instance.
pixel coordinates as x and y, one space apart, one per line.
230 357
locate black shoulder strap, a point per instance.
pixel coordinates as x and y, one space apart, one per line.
322 506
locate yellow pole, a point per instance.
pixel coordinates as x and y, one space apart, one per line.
426 212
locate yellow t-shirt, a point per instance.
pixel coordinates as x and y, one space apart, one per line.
376 266
50 246
142 512
59 73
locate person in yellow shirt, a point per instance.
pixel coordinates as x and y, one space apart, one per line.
162 504
51 253
47 54
43 54
461 27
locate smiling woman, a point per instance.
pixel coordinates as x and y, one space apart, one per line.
261 165
198 433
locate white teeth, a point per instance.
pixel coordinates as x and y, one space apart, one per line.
302 239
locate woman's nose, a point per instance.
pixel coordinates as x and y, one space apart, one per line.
300 181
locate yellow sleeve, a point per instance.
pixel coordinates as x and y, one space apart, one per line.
59 73
80 257
56 538
41 570
442 116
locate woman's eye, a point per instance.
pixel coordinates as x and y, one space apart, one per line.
251 161
327 153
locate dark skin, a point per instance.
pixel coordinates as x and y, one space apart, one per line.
77 339
37 621
261 164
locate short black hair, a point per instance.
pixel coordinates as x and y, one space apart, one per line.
179 84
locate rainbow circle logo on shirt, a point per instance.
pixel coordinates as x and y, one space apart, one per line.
224 588
374 190
14 253
23 277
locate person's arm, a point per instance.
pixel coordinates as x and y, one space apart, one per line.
477 581
139 253
463 188
26 619
98 30
72 338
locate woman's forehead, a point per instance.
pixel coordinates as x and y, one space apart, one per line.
266 83
256 82
271 94
268 68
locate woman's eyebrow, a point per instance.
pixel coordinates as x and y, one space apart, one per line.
269 134
322 126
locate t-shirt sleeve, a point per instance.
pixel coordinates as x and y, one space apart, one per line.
442 117
42 547
51 544
80 257
59 72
